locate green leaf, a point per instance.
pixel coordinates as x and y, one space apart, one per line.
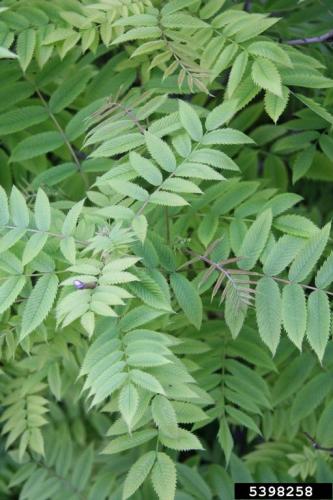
18 208
318 322
294 314
198 171
316 108
305 78
184 440
118 145
181 185
123 443
151 289
4 209
296 225
164 477
188 413
190 121
281 254
217 159
33 247
160 152
265 74
37 145
324 433
193 482
9 291
324 276
226 136
236 307
42 211
207 228
167 199
255 240
21 118
36 441
221 114
142 33
140 226
225 439
242 419
39 304
129 189
270 50
188 298
10 238
326 145
68 248
25 45
175 5
292 378
268 311
146 169
308 256
69 90
83 468
128 403
54 380
310 396
138 473
237 72
71 219
147 359
146 381
275 105
55 175
164 416
303 162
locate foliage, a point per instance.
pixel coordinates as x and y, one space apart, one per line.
165 247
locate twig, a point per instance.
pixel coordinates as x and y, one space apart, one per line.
314 39
50 233
219 267
316 445
62 133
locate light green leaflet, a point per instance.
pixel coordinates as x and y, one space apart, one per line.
309 255
268 310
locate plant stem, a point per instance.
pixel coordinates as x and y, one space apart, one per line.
50 233
228 272
63 134
314 39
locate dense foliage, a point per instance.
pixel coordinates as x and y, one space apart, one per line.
165 251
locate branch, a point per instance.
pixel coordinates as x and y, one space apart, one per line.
316 445
61 131
219 266
314 39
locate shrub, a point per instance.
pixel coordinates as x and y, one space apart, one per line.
165 252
